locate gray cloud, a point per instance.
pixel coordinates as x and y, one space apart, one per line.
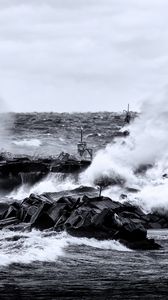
67 55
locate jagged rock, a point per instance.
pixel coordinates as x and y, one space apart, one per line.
146 244
75 193
83 216
3 209
90 220
8 221
13 211
19 227
100 203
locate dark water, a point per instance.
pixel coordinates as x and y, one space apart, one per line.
48 266
37 133
91 272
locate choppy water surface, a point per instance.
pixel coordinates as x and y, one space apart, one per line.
47 265
51 266
35 133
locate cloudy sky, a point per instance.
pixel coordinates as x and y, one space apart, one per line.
81 55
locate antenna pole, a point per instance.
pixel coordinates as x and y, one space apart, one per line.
81 134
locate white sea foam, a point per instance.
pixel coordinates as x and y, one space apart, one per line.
51 183
28 143
147 144
25 248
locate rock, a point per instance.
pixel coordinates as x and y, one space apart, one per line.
83 216
28 212
19 227
75 193
40 218
132 231
146 244
33 210
101 203
3 209
56 211
13 211
16 170
98 216
130 215
8 221
155 225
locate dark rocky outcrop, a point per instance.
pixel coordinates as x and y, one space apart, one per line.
17 170
82 213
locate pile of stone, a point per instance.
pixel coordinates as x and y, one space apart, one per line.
14 171
81 213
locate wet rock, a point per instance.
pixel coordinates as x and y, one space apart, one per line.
33 210
24 227
13 211
74 193
101 203
3 209
8 221
40 218
56 211
132 231
98 216
155 225
84 216
146 244
16 170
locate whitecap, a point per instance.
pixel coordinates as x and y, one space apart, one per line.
25 248
28 143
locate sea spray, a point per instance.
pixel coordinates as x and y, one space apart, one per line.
146 145
51 183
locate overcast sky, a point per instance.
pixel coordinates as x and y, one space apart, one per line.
82 55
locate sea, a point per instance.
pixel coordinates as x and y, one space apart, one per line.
48 265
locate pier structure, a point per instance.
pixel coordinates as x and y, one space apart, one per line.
83 151
127 115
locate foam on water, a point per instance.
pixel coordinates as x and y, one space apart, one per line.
146 144
28 143
52 183
25 248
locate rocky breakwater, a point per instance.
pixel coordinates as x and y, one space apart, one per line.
15 170
81 213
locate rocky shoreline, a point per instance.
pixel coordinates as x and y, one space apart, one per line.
82 213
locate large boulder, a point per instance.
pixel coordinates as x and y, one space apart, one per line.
3 209
82 216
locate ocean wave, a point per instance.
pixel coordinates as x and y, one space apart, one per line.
28 143
25 248
51 183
